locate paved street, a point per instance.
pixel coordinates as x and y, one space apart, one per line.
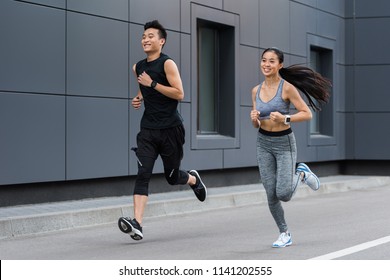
320 225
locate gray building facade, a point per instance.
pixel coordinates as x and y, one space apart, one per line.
66 124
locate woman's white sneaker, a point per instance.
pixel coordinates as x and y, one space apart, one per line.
309 178
284 240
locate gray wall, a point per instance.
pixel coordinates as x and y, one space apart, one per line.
65 80
367 94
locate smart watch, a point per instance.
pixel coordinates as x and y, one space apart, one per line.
153 84
287 120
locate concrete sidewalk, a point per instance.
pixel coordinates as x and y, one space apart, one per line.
48 217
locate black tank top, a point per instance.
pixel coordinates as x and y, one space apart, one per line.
160 111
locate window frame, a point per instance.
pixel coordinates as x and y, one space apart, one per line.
214 141
321 139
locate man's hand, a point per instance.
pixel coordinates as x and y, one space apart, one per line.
144 79
136 102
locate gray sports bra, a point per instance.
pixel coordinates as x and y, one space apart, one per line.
275 104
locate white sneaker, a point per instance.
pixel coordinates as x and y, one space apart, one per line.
284 240
310 178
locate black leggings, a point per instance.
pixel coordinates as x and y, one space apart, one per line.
168 143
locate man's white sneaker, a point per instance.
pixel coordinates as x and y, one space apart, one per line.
284 240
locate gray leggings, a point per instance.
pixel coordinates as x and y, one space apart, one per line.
277 156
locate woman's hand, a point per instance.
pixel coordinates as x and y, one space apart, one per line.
255 118
276 117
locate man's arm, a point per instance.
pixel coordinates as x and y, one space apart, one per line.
137 100
175 90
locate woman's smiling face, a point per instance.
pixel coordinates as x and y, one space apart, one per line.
270 64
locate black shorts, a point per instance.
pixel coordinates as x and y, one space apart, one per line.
168 143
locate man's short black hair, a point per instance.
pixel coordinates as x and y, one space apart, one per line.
155 24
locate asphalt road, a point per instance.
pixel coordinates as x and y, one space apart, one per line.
353 225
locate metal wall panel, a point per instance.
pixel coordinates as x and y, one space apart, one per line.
312 3
335 7
377 8
167 11
372 136
368 90
185 65
117 9
303 22
52 3
371 91
97 138
330 26
97 56
249 19
32 48
32 138
372 47
245 156
274 24
349 133
250 74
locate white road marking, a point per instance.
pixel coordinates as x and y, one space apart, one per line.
354 249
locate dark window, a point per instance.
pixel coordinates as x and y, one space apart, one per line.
321 60
216 70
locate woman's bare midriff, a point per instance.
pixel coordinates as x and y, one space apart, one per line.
272 126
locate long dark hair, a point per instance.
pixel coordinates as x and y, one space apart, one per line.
312 84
